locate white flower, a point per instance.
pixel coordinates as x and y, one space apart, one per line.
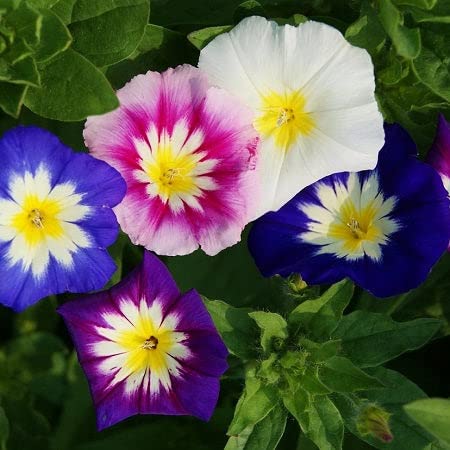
312 94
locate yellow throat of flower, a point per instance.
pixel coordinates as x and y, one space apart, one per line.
283 117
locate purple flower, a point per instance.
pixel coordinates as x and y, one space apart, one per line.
55 218
146 348
439 154
383 228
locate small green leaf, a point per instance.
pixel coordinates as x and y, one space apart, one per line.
66 79
340 375
247 9
55 37
22 71
406 40
235 326
4 429
321 316
319 420
424 4
371 339
273 326
12 97
108 31
201 38
265 435
256 402
433 414
311 383
367 32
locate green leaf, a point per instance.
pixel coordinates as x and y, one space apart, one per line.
256 402
273 326
201 38
265 435
311 383
398 391
433 414
439 14
406 41
235 326
22 71
55 37
4 429
367 32
431 65
371 339
321 316
108 31
320 420
424 4
64 9
65 80
340 375
12 97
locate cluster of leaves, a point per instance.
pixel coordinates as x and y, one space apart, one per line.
324 369
53 53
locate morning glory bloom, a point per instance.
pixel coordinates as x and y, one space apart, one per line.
383 228
55 221
146 348
187 152
312 95
439 154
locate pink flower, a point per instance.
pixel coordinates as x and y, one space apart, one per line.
187 152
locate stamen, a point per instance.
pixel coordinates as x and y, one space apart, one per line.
169 175
286 115
36 218
151 343
355 228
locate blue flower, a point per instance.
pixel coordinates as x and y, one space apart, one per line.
55 218
383 228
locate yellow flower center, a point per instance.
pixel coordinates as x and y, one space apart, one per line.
283 117
38 219
172 173
148 346
356 226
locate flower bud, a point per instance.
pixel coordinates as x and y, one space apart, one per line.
374 421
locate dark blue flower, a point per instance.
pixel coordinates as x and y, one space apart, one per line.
55 218
383 228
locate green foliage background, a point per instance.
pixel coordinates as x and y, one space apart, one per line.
302 359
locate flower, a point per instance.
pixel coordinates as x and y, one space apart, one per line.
439 154
187 154
312 94
147 349
383 228
55 222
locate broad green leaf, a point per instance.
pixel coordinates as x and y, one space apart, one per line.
431 65
296 399
55 37
265 435
371 339
340 375
367 32
12 97
406 40
318 353
397 392
433 414
42 3
108 31
4 429
64 9
201 38
66 79
236 327
272 326
256 402
22 71
321 316
311 383
439 14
